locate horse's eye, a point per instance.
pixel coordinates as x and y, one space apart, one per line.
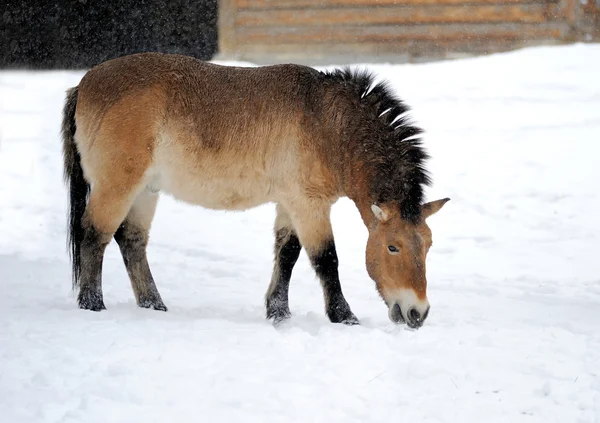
393 249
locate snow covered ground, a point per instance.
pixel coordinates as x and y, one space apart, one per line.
514 275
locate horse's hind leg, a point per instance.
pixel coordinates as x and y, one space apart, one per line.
105 210
115 153
132 237
287 250
90 277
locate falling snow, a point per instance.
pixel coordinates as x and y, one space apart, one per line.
514 277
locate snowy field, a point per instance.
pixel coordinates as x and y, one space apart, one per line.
514 275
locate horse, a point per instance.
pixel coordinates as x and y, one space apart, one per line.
233 138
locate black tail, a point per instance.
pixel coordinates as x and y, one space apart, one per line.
79 189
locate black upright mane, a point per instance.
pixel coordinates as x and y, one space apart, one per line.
385 141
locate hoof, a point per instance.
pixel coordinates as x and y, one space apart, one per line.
342 314
277 310
89 300
153 303
278 315
351 321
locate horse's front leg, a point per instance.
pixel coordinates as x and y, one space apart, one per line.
313 225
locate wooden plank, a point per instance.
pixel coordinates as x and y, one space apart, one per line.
386 34
323 4
361 52
584 17
227 13
534 13
569 8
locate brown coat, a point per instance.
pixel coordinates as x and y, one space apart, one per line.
234 138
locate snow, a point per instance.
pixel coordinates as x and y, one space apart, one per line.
514 279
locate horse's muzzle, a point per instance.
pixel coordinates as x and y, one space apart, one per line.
414 319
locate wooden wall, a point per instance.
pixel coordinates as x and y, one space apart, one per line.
351 30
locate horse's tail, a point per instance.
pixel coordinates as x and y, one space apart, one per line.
79 189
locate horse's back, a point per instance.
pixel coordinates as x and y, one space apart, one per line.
191 85
219 136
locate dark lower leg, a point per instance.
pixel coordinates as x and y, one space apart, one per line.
325 263
132 242
90 282
287 251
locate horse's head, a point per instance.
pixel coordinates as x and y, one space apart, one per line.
396 253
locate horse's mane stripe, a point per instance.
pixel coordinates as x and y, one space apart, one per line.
393 151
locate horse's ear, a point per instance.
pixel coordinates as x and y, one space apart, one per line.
433 207
379 213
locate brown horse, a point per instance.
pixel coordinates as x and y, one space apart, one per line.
233 138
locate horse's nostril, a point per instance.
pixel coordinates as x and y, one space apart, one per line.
414 315
426 313
396 314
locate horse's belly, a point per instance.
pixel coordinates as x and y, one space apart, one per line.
219 196
231 178
221 192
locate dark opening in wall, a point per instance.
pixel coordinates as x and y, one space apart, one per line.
78 34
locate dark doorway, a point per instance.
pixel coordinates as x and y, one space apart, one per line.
78 34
